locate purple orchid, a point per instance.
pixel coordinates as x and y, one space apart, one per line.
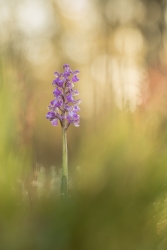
64 107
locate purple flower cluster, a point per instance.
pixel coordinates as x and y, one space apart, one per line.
64 107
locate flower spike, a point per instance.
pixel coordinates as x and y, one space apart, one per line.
64 107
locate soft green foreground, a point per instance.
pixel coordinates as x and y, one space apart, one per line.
118 196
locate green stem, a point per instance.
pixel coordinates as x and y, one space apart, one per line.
64 181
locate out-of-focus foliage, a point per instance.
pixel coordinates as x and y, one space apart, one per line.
117 158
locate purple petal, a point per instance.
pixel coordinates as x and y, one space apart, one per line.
56 103
54 122
76 108
57 92
69 85
76 123
68 108
58 82
75 92
67 68
72 117
66 74
51 108
56 73
75 72
75 78
77 102
50 115
69 98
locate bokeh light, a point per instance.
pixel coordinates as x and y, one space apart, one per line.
117 157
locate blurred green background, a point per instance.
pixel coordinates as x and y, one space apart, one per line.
117 157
